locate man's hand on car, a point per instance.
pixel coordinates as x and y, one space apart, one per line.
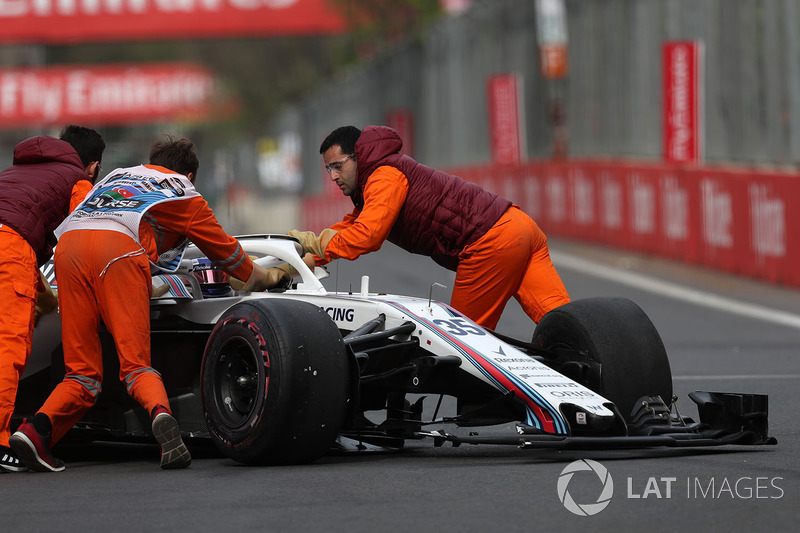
261 279
308 259
46 300
313 243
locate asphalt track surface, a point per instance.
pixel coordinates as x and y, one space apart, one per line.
722 334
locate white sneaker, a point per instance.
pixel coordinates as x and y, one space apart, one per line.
9 462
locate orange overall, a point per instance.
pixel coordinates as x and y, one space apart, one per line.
104 275
121 299
19 280
511 259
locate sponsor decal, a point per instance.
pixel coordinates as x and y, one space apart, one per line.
340 314
573 394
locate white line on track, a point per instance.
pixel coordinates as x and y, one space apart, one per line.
673 290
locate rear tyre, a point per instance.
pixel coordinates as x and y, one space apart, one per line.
625 357
274 382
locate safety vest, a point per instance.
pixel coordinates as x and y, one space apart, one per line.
120 200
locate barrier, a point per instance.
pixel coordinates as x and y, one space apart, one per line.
731 219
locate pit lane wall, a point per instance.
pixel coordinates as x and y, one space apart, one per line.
741 221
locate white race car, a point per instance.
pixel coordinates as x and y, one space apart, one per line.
286 375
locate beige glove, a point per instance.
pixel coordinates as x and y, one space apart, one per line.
313 243
159 288
46 300
308 259
310 262
260 280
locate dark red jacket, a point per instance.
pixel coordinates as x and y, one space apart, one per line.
35 191
442 213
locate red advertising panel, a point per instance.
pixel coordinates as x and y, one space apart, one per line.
724 232
65 21
119 94
682 142
733 220
612 199
679 202
643 209
504 119
774 210
584 201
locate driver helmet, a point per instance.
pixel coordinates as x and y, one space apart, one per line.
213 280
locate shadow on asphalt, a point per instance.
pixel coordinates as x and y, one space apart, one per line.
415 450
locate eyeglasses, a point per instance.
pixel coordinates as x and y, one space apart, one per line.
337 165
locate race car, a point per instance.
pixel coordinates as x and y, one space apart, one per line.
287 375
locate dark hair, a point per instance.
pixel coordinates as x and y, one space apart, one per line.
86 141
345 138
178 156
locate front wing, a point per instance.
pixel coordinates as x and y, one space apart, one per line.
725 419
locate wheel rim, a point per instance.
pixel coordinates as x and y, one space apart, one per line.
236 381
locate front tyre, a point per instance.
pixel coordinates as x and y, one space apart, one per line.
624 356
274 382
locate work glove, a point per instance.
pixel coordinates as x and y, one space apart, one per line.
308 259
46 300
261 279
313 243
160 288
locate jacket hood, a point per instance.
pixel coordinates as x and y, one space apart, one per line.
375 143
44 148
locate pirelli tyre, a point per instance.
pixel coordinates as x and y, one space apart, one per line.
610 346
274 382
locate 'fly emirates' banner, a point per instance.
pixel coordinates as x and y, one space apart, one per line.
69 21
121 94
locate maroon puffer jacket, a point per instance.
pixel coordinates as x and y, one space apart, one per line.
35 191
442 213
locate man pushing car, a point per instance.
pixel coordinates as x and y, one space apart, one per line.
496 250
134 218
48 179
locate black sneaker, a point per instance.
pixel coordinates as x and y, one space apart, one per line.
174 453
9 462
32 448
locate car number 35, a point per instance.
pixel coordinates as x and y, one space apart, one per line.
458 326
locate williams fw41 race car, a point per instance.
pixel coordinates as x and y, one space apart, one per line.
286 376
